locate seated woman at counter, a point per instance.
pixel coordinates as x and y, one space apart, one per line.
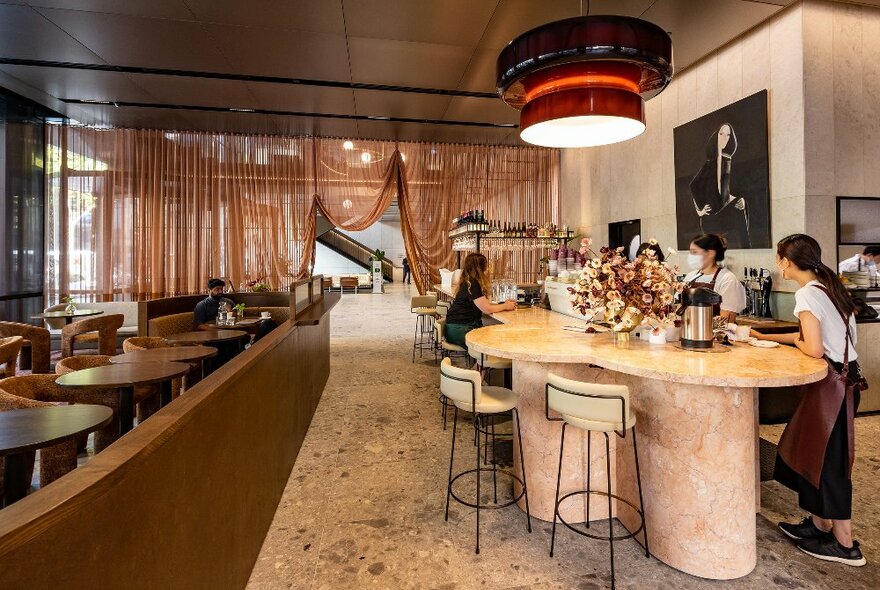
821 303
470 303
706 252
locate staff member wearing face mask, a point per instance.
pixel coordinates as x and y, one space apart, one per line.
706 252
207 309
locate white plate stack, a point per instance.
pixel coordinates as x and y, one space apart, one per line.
859 279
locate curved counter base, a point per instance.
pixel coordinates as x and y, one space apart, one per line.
697 459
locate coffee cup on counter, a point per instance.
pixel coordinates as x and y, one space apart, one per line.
265 315
743 333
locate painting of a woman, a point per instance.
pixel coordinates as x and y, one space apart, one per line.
722 175
719 211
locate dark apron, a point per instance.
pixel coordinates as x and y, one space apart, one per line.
716 309
805 439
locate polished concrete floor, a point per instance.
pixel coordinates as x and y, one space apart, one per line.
364 504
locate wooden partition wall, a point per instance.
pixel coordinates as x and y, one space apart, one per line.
185 499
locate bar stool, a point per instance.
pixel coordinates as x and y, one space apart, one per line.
465 389
488 362
447 350
425 308
595 408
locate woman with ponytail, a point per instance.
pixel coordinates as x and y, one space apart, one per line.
816 449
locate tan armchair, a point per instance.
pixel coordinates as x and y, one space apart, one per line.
145 342
100 329
44 388
9 349
55 460
36 349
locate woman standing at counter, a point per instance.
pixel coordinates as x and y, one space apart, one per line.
706 252
470 303
816 450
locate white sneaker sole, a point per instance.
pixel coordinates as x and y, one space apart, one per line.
851 562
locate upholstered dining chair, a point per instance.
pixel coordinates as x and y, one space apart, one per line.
100 329
145 342
36 348
44 388
9 349
55 460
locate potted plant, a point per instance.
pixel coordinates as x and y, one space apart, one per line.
239 310
377 255
71 304
261 288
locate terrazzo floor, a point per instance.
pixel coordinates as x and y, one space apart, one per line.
364 505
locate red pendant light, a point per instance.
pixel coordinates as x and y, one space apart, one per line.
582 81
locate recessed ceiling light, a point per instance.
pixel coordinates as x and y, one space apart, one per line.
347 145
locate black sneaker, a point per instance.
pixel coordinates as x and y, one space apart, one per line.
827 548
805 529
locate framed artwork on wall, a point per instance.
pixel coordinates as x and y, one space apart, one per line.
722 175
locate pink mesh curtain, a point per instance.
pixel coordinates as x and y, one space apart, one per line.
135 214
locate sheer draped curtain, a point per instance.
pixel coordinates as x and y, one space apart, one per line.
135 214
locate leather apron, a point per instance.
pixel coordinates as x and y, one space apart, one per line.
805 438
716 309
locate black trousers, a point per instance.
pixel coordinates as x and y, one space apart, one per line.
833 499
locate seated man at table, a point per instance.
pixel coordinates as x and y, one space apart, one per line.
205 313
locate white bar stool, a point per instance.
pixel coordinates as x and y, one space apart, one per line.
465 389
447 350
595 408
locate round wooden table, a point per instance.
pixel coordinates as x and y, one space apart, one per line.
206 336
124 377
67 315
229 342
29 429
168 354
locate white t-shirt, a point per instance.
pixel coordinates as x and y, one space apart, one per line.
733 294
852 265
809 298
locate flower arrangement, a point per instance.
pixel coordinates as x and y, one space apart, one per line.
239 309
71 304
624 294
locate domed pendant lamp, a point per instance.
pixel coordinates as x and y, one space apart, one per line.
583 81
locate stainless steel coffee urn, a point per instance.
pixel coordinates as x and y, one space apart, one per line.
696 329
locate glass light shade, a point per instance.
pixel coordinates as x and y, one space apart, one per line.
582 131
366 157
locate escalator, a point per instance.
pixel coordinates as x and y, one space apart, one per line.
352 250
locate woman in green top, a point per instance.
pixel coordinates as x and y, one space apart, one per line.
470 301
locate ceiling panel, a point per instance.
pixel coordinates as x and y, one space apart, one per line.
179 90
146 42
481 109
139 118
311 99
450 22
383 61
78 84
233 123
514 17
479 76
320 16
273 52
24 33
400 104
153 8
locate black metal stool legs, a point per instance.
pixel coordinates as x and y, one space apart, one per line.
558 480
522 465
641 499
451 457
610 513
477 428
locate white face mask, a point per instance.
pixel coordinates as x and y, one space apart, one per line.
695 261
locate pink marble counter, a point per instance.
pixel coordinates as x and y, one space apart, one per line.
696 428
